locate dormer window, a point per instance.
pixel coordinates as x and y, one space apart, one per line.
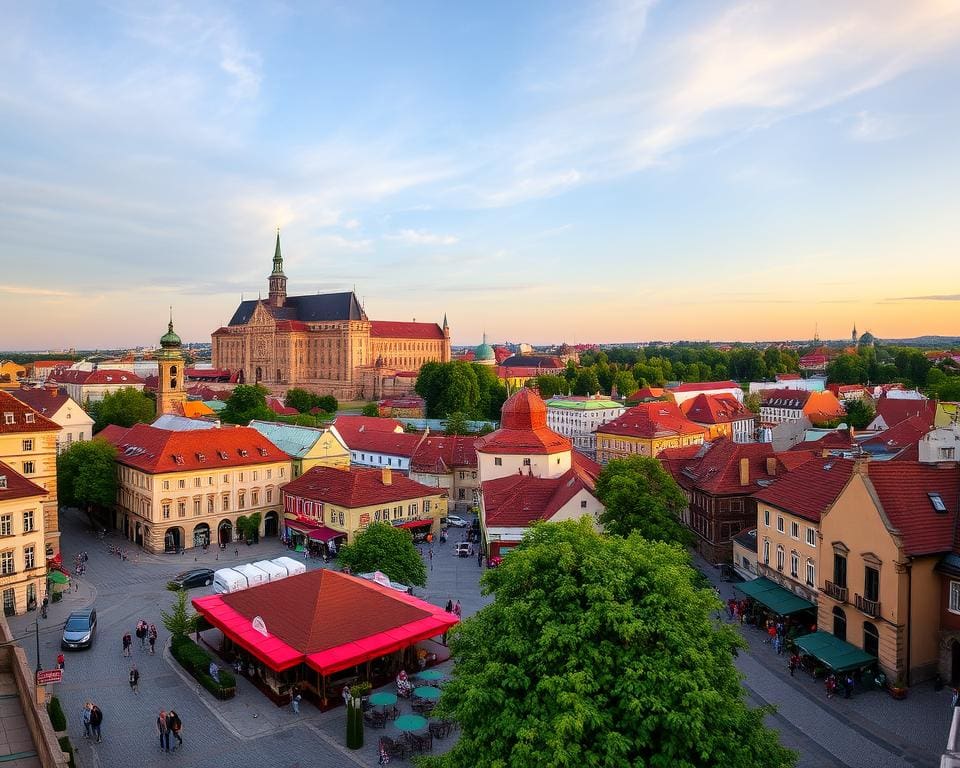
3 481
263 451
201 457
937 500
222 455
242 451
178 458
8 418
29 418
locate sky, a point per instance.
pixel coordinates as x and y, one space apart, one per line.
542 171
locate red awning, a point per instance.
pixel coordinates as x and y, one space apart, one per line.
299 526
324 534
414 524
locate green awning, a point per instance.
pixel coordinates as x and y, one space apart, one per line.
835 653
58 577
779 600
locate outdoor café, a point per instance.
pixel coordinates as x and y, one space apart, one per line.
320 631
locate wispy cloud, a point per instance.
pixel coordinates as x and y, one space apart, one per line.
937 297
29 290
873 127
421 237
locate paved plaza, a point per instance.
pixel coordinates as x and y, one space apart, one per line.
869 730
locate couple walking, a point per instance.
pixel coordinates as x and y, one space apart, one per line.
168 722
92 720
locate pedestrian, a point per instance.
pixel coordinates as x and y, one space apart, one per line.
731 604
152 637
848 686
60 661
831 685
163 731
76 585
236 552
175 725
346 695
96 720
479 558
134 678
456 609
43 607
85 716
127 642
955 698
449 608
295 701
794 663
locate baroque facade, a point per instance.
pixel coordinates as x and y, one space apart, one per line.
323 342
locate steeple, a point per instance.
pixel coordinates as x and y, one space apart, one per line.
278 280
853 335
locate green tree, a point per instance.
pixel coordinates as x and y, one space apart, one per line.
747 365
586 382
859 413
457 424
125 407
247 402
491 394
847 369
179 621
638 494
600 651
549 385
625 383
300 399
570 372
87 476
753 401
370 409
382 547
327 403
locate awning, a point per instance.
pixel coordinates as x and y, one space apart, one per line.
779 600
414 524
324 534
298 526
58 577
835 653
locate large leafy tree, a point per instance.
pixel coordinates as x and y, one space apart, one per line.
87 476
457 424
305 401
125 407
639 495
859 413
600 651
586 382
382 547
246 402
549 385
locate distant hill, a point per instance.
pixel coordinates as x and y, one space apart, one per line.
925 341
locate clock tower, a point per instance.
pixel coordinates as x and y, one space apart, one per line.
170 392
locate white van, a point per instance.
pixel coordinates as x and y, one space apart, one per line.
274 572
293 567
255 577
228 580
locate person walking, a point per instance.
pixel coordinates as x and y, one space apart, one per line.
152 637
96 720
134 678
127 642
479 558
794 663
456 609
60 661
295 701
175 725
85 717
449 608
163 731
142 634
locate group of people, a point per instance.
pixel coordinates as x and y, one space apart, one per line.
92 719
453 607
833 683
80 563
146 634
169 724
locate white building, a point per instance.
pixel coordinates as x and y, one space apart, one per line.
940 445
54 403
578 418
91 386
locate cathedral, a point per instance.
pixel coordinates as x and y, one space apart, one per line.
324 343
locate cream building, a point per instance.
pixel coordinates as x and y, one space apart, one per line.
578 418
186 489
449 463
91 386
22 564
307 447
76 425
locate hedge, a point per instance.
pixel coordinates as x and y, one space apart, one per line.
66 746
57 719
197 662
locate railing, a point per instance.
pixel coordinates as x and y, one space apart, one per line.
869 607
836 592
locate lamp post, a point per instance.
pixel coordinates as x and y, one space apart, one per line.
37 625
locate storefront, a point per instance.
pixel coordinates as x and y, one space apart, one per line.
317 539
419 529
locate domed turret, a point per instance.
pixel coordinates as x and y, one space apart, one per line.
170 340
484 353
524 410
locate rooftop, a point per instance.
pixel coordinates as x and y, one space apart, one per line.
17 416
356 487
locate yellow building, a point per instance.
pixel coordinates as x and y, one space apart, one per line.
307 447
645 430
171 394
22 565
186 489
28 444
10 374
328 505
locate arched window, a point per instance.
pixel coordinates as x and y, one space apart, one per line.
811 573
780 557
794 564
871 639
839 623
766 552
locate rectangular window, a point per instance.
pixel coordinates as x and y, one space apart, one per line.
795 530
210 480
28 521
812 537
780 523
526 462
196 507
6 525
955 596
241 500
794 565
269 496
811 573
871 583
269 473
240 477
210 505
165 511
6 563
29 558
8 418
182 483
27 445
196 482
426 506
226 503
29 468
281 472
181 509
255 498
583 504
497 461
840 570
766 517
166 485
255 475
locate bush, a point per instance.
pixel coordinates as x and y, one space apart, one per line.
57 718
197 662
57 597
66 746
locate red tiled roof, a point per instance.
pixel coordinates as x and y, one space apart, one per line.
355 487
649 420
288 326
155 450
209 374
903 489
376 441
112 433
275 405
704 386
21 412
100 376
586 467
388 329
367 424
895 410
208 393
715 409
810 489
523 428
516 501
16 485
44 400
440 453
901 435
645 393
788 376
52 363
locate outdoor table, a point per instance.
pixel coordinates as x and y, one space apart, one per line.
383 699
430 674
427 692
410 723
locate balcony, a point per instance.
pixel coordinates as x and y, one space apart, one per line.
836 592
869 607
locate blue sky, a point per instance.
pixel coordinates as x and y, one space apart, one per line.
545 171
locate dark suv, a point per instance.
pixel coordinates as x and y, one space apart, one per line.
79 630
197 577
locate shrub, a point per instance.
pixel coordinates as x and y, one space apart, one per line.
66 746
57 718
197 662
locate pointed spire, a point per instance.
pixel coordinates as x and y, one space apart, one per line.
170 324
277 257
445 325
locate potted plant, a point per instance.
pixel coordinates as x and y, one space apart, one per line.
898 688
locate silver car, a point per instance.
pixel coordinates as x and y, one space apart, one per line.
79 630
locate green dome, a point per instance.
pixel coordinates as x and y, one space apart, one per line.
484 352
170 340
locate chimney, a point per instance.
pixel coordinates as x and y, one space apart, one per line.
387 476
772 466
744 471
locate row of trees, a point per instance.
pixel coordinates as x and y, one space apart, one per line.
305 401
468 388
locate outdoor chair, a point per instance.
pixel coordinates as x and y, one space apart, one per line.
393 712
439 729
394 748
375 719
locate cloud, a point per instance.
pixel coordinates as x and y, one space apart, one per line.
872 127
939 297
28 290
421 237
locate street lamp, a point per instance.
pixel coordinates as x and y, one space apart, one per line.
37 625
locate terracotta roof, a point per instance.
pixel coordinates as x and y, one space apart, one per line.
523 428
810 489
100 376
704 386
516 501
208 393
901 435
193 409
903 489
52 363
356 487
155 450
645 393
586 467
649 420
788 376
895 410
16 486
288 326
823 406
22 417
367 424
377 441
388 329
112 433
322 609
441 453
715 409
207 374
277 406
44 400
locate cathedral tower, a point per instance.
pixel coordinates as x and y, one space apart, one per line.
278 280
170 392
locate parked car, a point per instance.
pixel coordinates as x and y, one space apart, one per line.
196 577
456 522
79 630
463 549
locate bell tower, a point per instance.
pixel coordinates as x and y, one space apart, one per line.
170 391
278 280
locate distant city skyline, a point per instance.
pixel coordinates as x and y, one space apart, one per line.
544 172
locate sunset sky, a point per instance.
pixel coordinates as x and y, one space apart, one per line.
543 171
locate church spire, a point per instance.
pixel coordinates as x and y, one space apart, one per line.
277 257
278 280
